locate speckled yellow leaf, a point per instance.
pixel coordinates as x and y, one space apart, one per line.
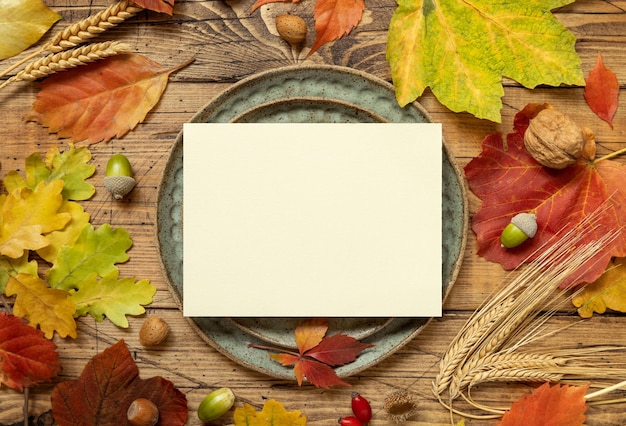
461 49
608 292
22 23
273 413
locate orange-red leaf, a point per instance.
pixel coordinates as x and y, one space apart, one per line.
508 181
107 386
602 91
309 333
163 6
26 357
101 100
338 349
260 3
558 405
319 374
334 19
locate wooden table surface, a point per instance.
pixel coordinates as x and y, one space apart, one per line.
228 44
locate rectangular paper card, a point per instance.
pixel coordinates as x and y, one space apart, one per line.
312 220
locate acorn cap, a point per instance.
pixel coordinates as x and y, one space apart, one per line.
119 186
526 222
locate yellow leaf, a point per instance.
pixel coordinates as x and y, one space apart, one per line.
273 413
607 292
22 23
42 306
28 214
68 235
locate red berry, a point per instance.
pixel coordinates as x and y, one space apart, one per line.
349 421
361 408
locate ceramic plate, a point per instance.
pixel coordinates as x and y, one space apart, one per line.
343 95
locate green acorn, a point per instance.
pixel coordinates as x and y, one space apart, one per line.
119 176
216 404
522 227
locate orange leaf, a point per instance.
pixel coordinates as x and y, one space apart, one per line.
558 405
602 91
101 100
334 19
309 333
163 6
26 357
260 3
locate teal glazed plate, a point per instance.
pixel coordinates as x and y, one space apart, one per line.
305 94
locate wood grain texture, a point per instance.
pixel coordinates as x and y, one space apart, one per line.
230 43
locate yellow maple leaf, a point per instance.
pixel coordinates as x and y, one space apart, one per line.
42 306
27 215
273 413
607 292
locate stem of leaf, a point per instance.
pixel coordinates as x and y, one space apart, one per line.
611 155
271 348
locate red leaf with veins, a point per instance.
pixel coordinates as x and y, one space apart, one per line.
509 181
602 91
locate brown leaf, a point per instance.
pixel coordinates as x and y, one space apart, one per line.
101 100
334 19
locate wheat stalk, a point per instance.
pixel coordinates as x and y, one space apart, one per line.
84 30
68 59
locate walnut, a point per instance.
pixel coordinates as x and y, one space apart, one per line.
553 139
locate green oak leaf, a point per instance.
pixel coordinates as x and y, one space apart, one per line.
95 250
10 267
461 49
112 297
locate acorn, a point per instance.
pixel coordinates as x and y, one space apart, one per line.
119 176
142 412
522 227
154 331
291 28
216 404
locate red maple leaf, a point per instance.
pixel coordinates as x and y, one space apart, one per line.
558 405
107 386
26 356
509 181
317 354
602 91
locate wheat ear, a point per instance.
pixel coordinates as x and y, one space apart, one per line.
68 59
84 30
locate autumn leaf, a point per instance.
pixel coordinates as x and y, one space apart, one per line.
461 50
10 267
260 3
602 91
112 297
95 250
26 357
67 236
557 405
273 413
42 306
22 23
101 100
163 6
105 389
509 181
317 354
608 292
334 19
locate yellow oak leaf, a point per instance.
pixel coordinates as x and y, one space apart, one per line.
101 100
27 215
50 309
68 235
22 23
607 292
273 413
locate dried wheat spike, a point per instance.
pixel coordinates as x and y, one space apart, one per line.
69 59
92 26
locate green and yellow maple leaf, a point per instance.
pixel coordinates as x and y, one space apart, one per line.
42 306
607 292
461 49
22 23
112 297
95 250
28 214
273 413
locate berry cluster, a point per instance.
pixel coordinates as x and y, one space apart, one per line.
362 412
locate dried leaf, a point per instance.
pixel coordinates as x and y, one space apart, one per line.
26 358
461 50
334 19
558 405
509 181
163 6
22 23
273 413
107 386
608 292
101 100
602 91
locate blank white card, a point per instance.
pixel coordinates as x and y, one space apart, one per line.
312 220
